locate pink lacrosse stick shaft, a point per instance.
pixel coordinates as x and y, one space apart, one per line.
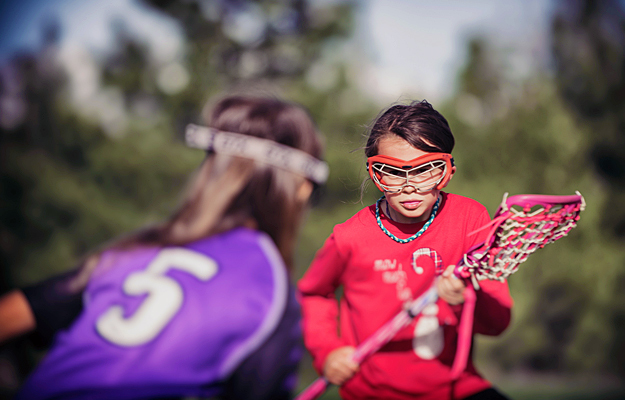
465 333
387 331
314 390
374 342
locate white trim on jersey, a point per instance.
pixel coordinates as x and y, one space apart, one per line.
274 314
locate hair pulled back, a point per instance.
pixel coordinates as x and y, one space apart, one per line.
418 123
229 192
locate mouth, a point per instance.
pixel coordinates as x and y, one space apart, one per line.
411 204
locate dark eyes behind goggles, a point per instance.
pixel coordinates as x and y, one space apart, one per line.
423 173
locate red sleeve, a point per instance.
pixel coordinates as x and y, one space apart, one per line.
320 308
493 308
494 304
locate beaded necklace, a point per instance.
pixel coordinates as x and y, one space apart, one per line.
413 237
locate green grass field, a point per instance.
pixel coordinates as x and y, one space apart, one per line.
538 394
532 387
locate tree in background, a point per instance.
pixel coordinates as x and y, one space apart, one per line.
589 54
69 141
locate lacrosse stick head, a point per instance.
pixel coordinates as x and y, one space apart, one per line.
522 224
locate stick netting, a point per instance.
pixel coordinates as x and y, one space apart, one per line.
519 230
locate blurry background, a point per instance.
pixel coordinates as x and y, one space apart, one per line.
94 96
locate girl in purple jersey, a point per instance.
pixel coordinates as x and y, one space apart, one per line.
200 305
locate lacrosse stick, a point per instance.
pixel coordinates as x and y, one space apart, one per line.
522 224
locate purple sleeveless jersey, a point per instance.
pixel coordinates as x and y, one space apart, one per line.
174 321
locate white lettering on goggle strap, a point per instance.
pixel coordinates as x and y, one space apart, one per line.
423 177
261 150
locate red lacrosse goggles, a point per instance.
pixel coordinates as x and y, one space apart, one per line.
425 173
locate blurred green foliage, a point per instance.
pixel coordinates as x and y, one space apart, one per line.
74 175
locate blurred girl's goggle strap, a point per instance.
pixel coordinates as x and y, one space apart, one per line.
261 150
425 173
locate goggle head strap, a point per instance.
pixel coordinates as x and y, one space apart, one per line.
403 164
257 149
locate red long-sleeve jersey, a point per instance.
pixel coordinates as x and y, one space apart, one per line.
377 274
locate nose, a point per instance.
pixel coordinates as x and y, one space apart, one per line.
409 188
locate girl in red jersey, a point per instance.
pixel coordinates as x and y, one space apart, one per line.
391 251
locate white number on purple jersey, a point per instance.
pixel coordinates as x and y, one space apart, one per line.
164 298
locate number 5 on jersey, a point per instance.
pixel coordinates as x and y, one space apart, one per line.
164 297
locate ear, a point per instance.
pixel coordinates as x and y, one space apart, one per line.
304 191
444 183
453 171
451 175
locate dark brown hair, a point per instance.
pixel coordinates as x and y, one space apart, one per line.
229 192
418 123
